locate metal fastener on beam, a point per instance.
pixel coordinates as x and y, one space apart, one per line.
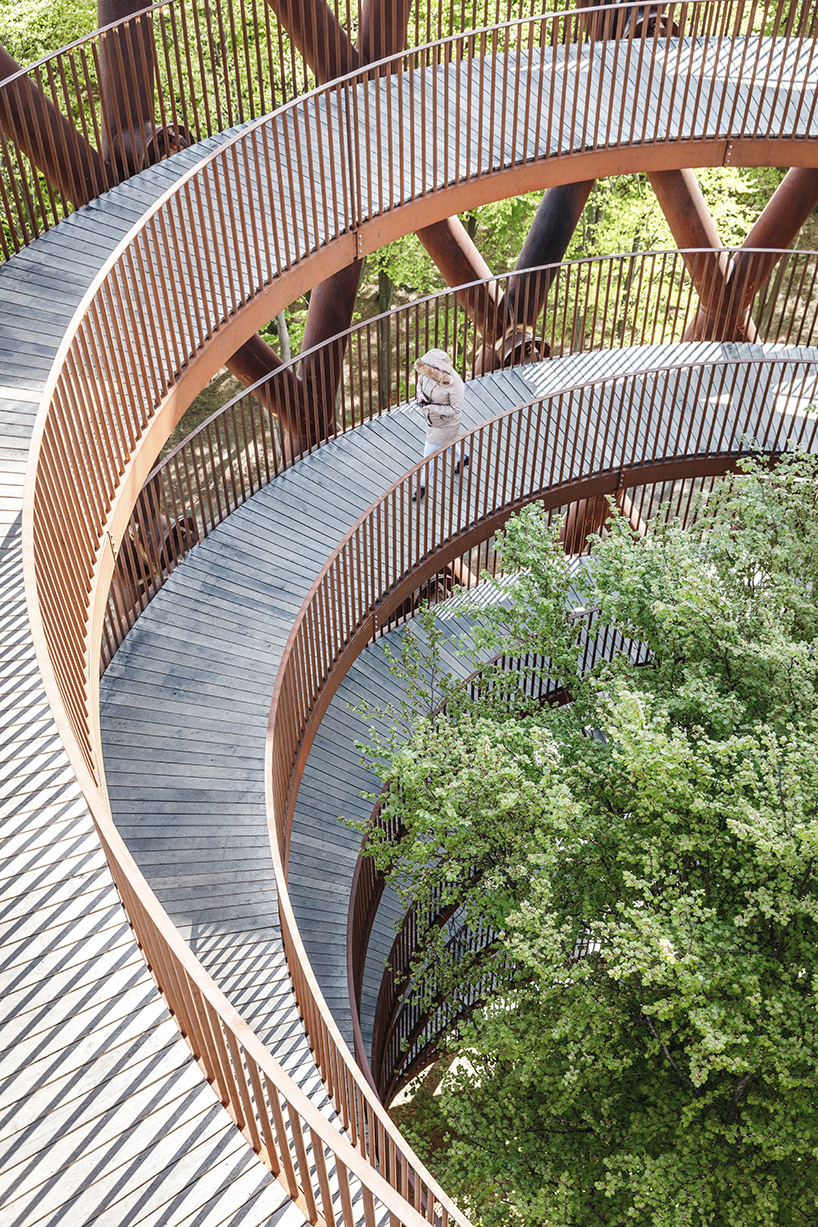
359 244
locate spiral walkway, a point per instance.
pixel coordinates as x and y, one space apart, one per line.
201 660
107 1119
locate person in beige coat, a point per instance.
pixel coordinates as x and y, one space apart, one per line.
440 395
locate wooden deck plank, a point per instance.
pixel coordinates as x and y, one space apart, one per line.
86 1044
75 1090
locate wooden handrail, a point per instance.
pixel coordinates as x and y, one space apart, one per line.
595 303
306 208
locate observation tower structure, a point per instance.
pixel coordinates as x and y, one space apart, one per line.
193 1031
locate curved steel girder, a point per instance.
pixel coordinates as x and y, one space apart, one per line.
404 219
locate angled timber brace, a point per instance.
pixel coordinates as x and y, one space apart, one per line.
47 138
329 52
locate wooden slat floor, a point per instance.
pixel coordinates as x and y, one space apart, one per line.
185 705
105 1118
94 1073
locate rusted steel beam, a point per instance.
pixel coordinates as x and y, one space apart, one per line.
691 224
546 243
282 397
48 138
330 312
555 221
382 32
643 19
127 69
583 518
319 36
726 318
683 204
788 208
382 28
457 257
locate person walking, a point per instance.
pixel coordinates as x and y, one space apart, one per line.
440 394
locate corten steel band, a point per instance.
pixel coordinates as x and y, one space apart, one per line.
598 303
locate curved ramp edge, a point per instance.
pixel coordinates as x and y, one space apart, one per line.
106 1119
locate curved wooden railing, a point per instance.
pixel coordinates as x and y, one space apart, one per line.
595 438
210 254
70 126
608 302
331 1178
206 265
662 428
194 69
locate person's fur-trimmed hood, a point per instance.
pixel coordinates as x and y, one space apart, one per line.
436 365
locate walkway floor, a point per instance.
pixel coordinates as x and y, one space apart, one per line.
105 1118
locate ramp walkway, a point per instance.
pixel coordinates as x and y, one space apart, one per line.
185 703
106 1119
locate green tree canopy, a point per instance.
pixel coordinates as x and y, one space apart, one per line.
646 855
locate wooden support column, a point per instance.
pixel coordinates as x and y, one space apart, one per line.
726 318
457 257
319 36
127 72
48 139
